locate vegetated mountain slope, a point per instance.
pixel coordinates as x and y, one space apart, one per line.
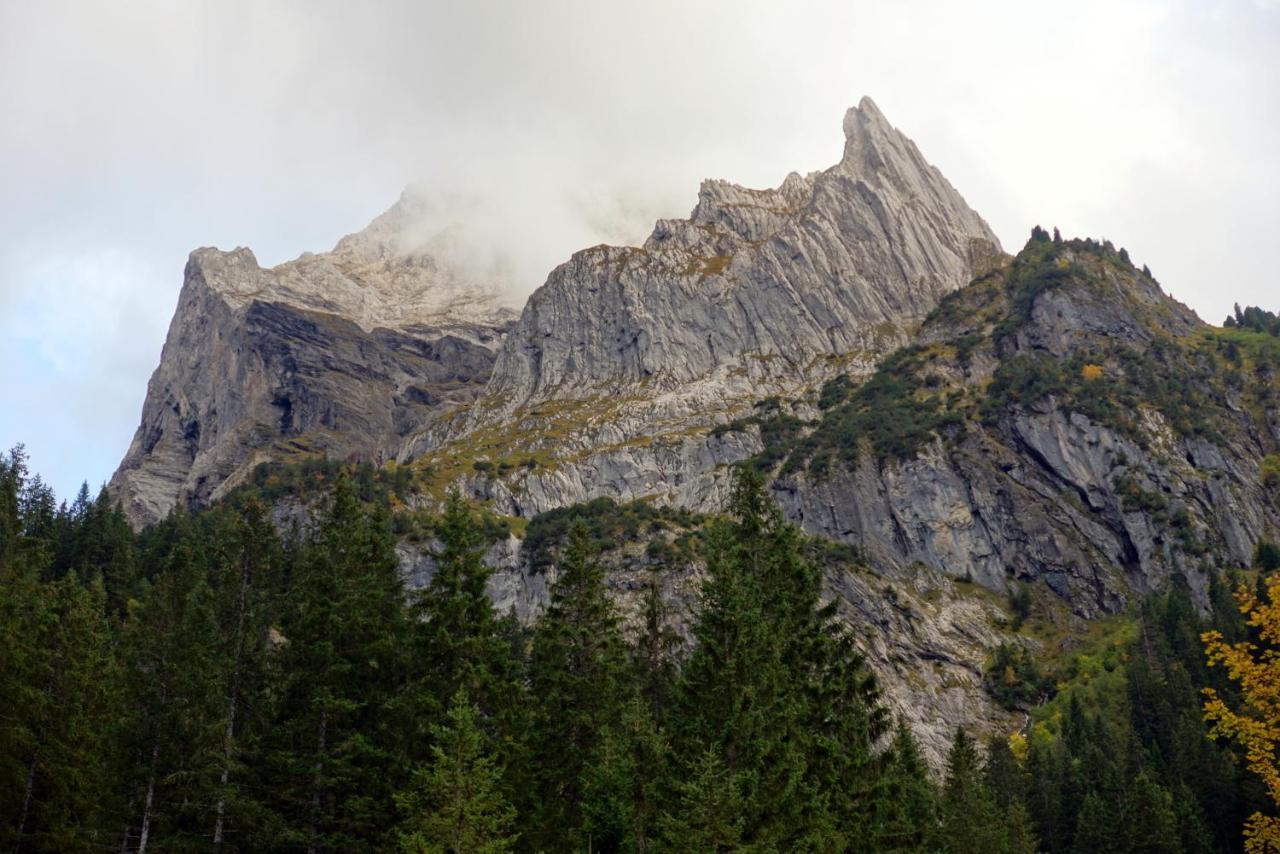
1060 422
340 354
624 358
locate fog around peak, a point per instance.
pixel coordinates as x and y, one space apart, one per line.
137 131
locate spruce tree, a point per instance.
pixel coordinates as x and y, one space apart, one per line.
457 639
1149 820
970 823
1096 827
333 752
577 677
709 812
655 652
247 587
60 722
902 812
173 702
1003 776
1019 835
735 699
626 783
775 686
456 804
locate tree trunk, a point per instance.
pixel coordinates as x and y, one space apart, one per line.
226 770
26 799
315 786
229 740
146 804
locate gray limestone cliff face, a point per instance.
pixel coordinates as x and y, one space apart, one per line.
757 293
1097 492
762 282
342 354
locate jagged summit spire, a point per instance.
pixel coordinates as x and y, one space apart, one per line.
872 145
755 280
866 119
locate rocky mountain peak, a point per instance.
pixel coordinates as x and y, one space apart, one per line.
395 273
339 353
756 283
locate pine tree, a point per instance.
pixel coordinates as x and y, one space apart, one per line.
970 822
775 686
333 753
173 703
1019 835
626 783
655 651
577 676
734 698
13 473
60 720
902 814
1192 828
710 811
247 586
456 803
1003 776
1150 823
1096 827
457 637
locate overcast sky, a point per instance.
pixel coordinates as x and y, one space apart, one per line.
133 132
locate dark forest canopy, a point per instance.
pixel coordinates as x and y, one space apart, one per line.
209 685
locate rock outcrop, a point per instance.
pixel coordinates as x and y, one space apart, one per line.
1085 435
926 638
964 422
627 355
760 280
341 354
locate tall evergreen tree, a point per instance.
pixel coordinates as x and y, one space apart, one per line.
455 804
733 696
1096 827
709 813
626 783
458 640
577 676
902 812
655 652
247 587
333 751
775 687
1150 822
60 720
1003 775
173 704
59 684
970 822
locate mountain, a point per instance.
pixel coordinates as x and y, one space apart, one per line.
1059 422
964 434
626 355
803 271
340 354
1059 432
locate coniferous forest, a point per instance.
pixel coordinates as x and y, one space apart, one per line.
211 684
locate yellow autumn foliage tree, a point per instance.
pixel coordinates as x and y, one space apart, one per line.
1255 726
1091 372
